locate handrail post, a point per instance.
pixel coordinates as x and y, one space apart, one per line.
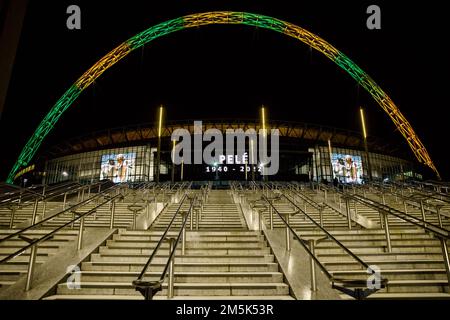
438 211
44 207
13 214
191 218
170 284
197 220
321 208
422 210
80 234
288 234
113 211
446 258
271 214
349 219
183 233
65 201
134 219
405 207
260 212
386 231
312 266
31 265
35 208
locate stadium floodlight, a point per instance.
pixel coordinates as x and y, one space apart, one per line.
158 161
263 119
363 122
161 111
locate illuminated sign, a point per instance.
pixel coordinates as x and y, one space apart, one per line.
347 168
118 167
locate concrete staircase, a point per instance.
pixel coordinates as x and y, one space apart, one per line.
123 217
25 213
414 268
217 264
11 271
219 213
223 260
396 203
331 219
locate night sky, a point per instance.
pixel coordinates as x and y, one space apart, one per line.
229 71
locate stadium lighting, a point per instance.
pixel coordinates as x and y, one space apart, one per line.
363 122
158 160
161 110
263 123
263 119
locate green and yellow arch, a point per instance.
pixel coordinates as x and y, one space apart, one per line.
221 17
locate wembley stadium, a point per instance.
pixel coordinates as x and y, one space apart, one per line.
191 205
308 152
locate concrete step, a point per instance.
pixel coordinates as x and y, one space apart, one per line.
189 244
184 266
180 289
396 274
184 277
142 258
161 297
345 264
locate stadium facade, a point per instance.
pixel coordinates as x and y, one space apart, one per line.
308 152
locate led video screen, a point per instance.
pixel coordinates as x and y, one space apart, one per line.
347 168
118 167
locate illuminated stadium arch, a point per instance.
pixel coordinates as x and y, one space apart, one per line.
222 17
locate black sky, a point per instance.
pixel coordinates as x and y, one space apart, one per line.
229 71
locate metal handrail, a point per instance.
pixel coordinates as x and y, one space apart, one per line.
60 192
50 234
426 194
19 190
40 196
415 202
144 270
436 230
189 212
329 235
74 207
149 288
358 293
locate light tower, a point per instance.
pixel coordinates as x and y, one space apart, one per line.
363 124
158 157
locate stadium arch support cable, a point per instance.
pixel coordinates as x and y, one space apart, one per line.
222 17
